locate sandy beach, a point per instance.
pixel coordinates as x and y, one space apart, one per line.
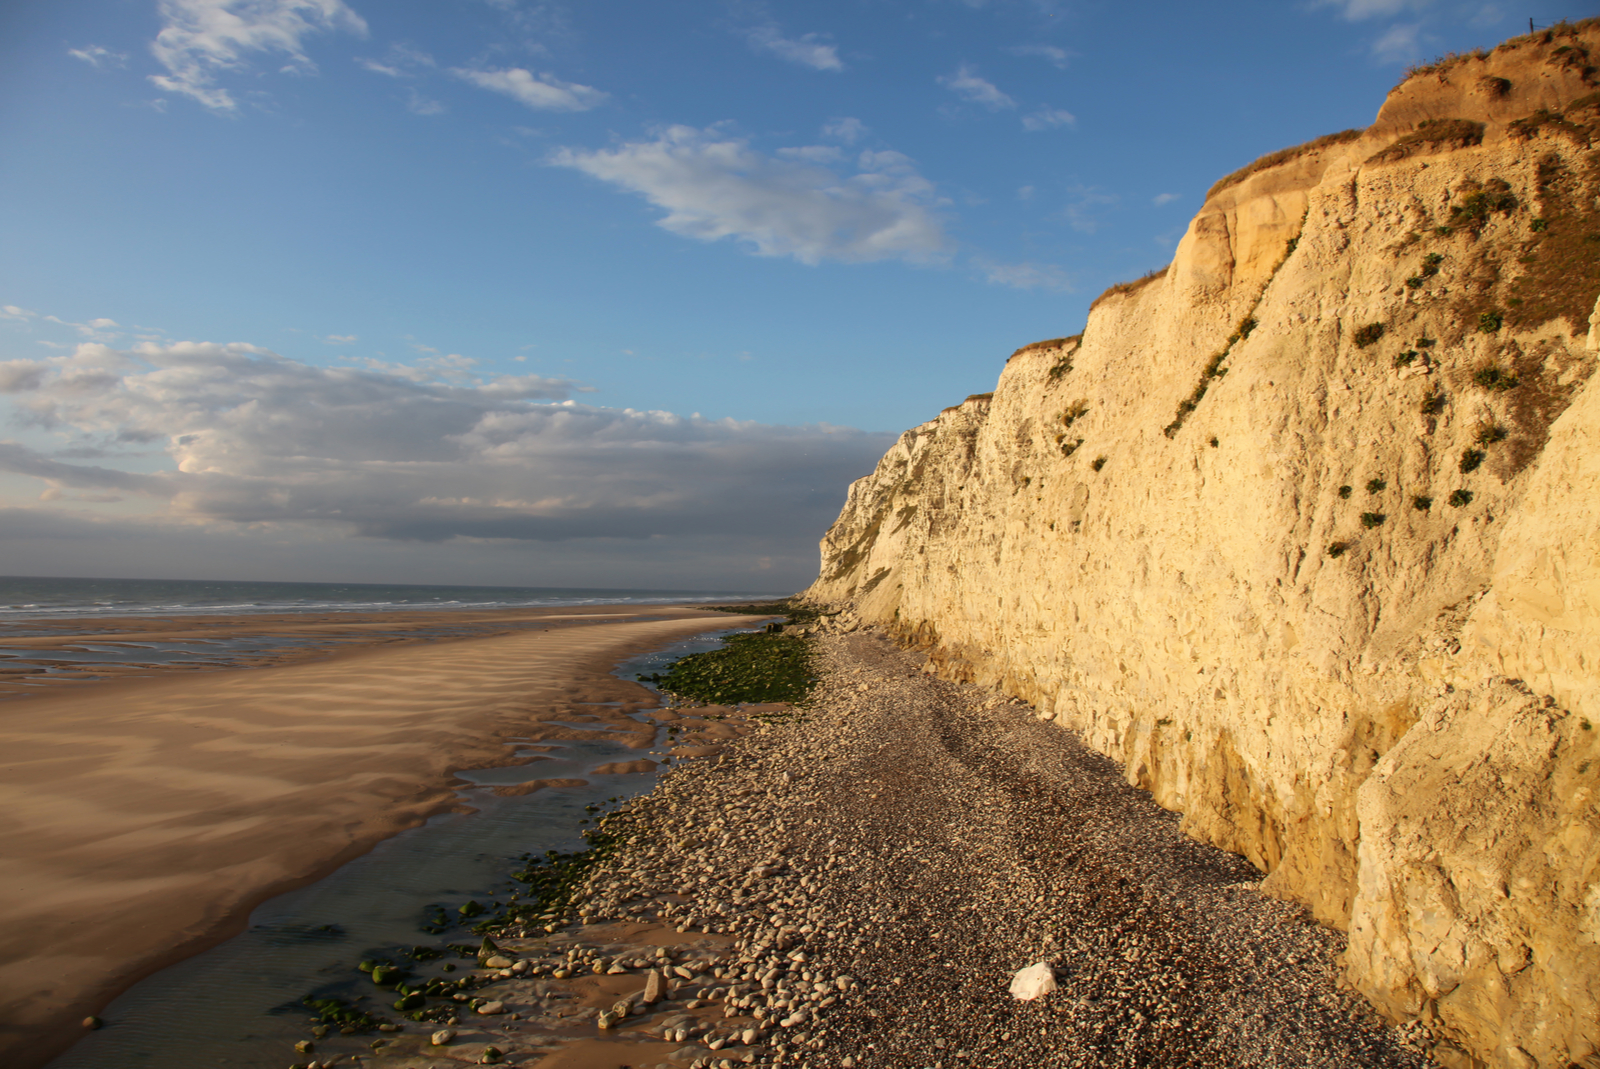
149 812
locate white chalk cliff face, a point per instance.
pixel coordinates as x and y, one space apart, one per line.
1306 534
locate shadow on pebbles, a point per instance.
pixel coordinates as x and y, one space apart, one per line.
856 887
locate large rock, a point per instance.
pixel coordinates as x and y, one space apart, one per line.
1379 696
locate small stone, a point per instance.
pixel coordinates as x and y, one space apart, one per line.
304 1047
750 1036
388 1028
497 961
491 1055
606 1020
653 987
93 1023
1032 982
489 1009
615 969
442 1037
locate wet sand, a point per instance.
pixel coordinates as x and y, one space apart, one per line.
147 816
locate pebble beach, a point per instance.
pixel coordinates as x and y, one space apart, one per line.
859 882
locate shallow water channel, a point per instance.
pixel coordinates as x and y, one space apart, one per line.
238 1004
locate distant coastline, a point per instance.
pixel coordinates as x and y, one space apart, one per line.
37 597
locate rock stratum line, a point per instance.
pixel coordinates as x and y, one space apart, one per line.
1302 533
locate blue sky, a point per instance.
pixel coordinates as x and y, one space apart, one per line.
617 292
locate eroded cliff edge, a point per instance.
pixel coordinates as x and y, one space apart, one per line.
1305 532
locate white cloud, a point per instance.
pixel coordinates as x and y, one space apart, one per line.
814 153
1355 10
96 56
808 51
339 339
714 186
543 93
1398 44
1057 57
201 38
1083 212
1026 276
847 129
99 329
966 84
399 453
1049 119
398 61
418 104
1165 198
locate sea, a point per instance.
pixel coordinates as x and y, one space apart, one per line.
37 597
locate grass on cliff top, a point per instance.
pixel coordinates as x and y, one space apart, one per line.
1428 136
1560 31
1130 286
1048 343
1283 155
748 668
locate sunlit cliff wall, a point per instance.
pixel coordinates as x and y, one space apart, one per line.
1305 532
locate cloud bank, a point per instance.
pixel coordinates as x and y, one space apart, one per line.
412 454
201 38
714 186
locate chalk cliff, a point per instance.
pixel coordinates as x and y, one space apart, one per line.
1305 532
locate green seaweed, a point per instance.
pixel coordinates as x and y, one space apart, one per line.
748 668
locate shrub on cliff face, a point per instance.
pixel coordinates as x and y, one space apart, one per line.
1495 378
1367 335
1474 210
1470 460
1370 520
1458 498
1490 321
